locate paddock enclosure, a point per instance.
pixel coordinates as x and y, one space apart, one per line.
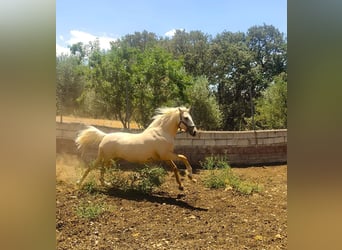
261 147
167 218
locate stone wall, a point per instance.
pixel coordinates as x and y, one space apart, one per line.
242 148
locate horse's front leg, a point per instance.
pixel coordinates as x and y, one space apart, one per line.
188 167
177 157
175 170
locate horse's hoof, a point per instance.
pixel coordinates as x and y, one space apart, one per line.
106 184
181 188
191 178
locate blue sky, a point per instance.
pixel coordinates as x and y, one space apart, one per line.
84 21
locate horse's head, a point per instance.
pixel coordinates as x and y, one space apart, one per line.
185 122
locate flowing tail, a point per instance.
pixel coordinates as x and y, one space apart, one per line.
89 136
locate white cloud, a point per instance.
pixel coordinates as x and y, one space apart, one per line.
85 38
172 32
80 36
62 50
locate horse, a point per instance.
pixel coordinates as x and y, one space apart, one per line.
155 143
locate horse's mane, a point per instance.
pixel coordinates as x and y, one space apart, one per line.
162 114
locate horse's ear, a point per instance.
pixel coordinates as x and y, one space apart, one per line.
180 110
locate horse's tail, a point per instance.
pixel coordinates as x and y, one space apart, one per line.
89 136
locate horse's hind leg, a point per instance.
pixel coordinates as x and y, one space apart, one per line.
102 172
85 175
90 167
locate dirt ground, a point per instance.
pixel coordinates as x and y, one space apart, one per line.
196 218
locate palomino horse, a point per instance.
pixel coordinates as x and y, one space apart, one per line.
155 143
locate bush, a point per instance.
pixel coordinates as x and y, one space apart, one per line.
143 180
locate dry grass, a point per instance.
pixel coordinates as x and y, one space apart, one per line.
91 121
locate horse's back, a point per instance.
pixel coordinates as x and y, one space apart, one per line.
141 147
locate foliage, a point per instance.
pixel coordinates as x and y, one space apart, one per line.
235 77
158 81
204 107
220 175
142 72
142 180
271 107
269 49
145 179
69 84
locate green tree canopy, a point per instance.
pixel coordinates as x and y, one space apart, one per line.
225 76
204 107
271 107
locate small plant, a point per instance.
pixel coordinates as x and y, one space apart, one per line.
215 162
142 180
220 175
90 187
145 179
89 210
119 180
216 179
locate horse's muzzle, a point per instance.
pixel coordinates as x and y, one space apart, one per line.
192 130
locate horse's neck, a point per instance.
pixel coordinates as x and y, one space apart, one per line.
171 125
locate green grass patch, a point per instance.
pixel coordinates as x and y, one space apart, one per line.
220 175
89 210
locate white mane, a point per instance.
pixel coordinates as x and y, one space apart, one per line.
165 113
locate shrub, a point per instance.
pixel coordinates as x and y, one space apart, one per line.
145 179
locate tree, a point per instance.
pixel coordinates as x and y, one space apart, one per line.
138 40
159 80
112 78
69 84
234 76
204 107
269 49
271 107
192 48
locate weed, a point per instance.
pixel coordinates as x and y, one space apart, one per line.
215 162
90 187
89 210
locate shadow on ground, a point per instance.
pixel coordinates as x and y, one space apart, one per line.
157 197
